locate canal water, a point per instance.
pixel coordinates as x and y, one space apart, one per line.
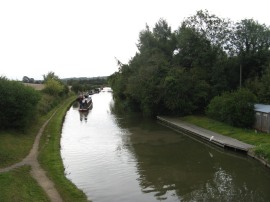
124 157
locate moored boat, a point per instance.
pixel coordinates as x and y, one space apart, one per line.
85 103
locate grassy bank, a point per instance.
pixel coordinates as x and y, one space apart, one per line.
18 185
261 141
50 157
15 145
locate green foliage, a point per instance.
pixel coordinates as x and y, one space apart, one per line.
54 86
185 93
180 72
50 76
87 84
195 49
263 151
17 104
260 86
264 91
250 41
236 108
47 103
216 30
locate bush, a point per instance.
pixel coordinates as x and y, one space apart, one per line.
47 102
236 108
17 104
53 87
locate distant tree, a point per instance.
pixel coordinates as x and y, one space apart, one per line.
54 86
49 76
31 80
26 79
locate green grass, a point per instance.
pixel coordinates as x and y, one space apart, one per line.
261 141
18 185
50 157
15 145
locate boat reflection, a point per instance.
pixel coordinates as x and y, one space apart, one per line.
83 114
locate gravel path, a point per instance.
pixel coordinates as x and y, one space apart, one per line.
36 171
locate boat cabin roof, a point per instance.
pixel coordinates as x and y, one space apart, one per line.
262 108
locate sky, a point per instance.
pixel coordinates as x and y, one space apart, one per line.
83 38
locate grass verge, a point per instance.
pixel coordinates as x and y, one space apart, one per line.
18 185
261 141
15 145
50 156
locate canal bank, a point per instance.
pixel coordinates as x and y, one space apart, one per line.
210 137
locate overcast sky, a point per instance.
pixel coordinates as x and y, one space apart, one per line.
82 38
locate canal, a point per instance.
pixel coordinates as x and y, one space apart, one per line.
124 157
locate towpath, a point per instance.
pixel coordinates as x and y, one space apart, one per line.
36 171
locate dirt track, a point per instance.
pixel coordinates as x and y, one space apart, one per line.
36 171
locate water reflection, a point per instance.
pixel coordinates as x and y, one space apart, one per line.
83 114
124 157
173 167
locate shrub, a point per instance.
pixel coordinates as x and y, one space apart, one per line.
53 87
236 108
17 104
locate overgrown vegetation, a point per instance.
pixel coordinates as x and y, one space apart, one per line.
179 72
17 104
54 86
16 140
15 144
236 108
20 104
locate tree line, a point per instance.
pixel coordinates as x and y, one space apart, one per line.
86 84
186 71
20 104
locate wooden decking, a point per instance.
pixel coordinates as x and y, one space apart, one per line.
206 135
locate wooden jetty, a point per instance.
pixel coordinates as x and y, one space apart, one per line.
206 135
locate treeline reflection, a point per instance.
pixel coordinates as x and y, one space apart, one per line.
172 166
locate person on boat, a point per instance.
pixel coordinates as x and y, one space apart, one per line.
80 100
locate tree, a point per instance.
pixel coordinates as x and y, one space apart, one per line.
17 104
216 30
54 86
261 87
50 75
185 92
251 43
26 79
194 49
